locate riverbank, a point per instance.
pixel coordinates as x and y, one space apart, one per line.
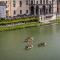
32 24
55 21
19 20
19 26
22 23
18 23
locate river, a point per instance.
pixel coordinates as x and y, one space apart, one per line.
12 46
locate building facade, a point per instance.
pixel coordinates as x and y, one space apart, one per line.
32 7
2 10
58 6
43 7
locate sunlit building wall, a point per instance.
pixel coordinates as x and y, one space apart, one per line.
2 10
32 7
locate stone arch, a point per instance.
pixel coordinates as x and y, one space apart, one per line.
32 10
44 9
37 10
50 9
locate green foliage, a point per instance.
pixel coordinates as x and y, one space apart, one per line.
2 19
19 26
23 20
31 21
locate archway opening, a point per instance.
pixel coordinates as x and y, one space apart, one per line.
32 10
50 9
43 9
37 10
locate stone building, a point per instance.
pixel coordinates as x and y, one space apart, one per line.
2 10
43 7
30 7
58 6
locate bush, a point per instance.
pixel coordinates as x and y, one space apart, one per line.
2 19
23 20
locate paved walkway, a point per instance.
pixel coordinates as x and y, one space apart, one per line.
47 20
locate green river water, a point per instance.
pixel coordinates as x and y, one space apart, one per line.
12 46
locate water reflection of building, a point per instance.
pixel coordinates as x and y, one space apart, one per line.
33 7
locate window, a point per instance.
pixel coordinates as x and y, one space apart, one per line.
43 1
14 3
14 12
26 11
20 11
36 2
31 2
40 1
26 2
46 1
49 2
20 3
7 12
6 2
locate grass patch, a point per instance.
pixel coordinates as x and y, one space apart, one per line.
23 20
20 26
